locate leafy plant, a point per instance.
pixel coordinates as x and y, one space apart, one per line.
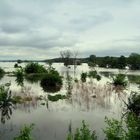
56 97
82 134
52 81
19 76
83 77
31 68
114 130
2 72
25 133
120 80
133 104
93 74
6 103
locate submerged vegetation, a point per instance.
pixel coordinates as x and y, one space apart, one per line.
2 72
52 81
57 97
120 80
94 75
83 133
25 133
6 103
34 68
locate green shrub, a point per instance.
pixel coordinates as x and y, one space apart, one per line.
25 133
19 77
34 78
127 129
120 80
133 104
32 68
83 77
82 134
2 72
56 97
94 75
114 130
52 81
6 103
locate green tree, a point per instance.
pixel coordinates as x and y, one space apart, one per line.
134 61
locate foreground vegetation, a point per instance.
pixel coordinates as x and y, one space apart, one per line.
128 128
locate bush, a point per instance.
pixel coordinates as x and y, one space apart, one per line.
2 72
83 77
120 80
25 133
32 68
134 103
19 76
93 74
114 130
56 97
6 103
82 134
52 81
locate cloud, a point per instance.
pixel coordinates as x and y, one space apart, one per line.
33 29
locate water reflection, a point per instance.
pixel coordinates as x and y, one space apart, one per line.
33 78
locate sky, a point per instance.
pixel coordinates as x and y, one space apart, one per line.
40 29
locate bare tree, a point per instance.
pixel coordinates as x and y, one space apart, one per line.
66 57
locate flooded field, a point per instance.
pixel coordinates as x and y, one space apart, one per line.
90 101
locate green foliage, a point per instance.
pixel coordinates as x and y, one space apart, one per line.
93 74
6 103
32 68
34 78
19 76
2 72
69 83
133 104
83 76
133 127
121 62
120 80
134 61
25 133
134 78
114 130
56 97
82 134
52 81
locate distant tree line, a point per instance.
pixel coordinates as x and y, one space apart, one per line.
132 61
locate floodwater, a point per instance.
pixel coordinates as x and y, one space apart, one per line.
53 118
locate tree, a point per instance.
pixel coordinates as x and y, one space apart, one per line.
134 61
121 62
66 55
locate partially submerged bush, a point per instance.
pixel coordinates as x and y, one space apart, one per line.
52 81
6 103
19 76
120 80
2 72
34 78
83 77
127 129
31 68
93 74
25 133
83 133
56 97
134 103
114 129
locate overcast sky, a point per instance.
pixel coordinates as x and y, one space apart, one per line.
40 29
